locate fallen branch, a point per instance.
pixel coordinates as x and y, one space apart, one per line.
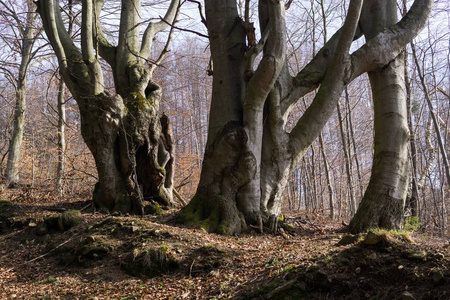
43 255
179 197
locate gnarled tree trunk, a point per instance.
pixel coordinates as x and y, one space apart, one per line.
131 144
249 154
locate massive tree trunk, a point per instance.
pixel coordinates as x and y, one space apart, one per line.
27 33
131 144
384 199
249 154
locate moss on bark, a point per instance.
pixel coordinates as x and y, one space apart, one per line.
377 210
213 214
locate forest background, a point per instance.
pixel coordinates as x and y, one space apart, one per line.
50 166
55 242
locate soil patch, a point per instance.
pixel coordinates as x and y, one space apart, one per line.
126 257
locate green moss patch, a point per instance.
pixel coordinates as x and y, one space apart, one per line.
153 209
69 219
212 215
96 246
150 262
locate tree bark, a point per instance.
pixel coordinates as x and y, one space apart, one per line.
249 155
132 145
27 33
61 167
328 177
384 199
414 200
348 164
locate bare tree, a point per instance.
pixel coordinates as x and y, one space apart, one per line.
61 166
25 34
249 155
384 199
132 146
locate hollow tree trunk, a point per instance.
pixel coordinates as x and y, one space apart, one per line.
131 144
132 152
384 199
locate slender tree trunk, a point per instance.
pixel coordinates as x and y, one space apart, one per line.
431 159
299 187
61 167
442 160
383 201
414 201
433 117
328 177
351 141
414 197
348 166
314 178
331 199
14 151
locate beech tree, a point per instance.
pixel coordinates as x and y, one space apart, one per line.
24 37
131 144
249 154
384 200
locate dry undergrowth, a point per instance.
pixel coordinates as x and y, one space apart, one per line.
125 257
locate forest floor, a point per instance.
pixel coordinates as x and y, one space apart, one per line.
151 257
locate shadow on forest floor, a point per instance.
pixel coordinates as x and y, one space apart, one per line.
126 257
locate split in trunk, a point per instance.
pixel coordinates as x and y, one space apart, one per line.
131 144
249 155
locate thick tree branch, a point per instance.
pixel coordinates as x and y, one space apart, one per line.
105 49
388 44
153 28
375 53
87 34
310 77
47 10
315 117
272 62
169 39
128 44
